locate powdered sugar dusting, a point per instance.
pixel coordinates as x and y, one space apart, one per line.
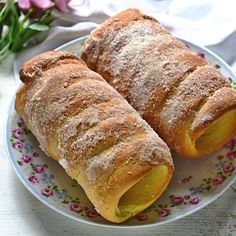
88 123
205 119
106 134
158 75
84 121
132 61
126 57
190 95
98 164
151 150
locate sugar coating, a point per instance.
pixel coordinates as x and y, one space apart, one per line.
77 114
160 77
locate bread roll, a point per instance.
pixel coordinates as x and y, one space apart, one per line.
187 101
90 129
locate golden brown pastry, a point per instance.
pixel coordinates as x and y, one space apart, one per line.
188 102
90 129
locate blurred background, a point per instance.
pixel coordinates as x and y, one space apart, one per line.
209 23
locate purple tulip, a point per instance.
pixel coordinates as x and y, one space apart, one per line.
62 5
41 4
24 5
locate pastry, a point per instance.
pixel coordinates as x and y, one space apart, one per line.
186 101
91 130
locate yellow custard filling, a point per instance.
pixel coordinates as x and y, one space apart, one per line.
217 133
143 193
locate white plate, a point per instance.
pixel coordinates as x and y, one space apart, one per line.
195 183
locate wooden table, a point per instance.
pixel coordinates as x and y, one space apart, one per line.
22 214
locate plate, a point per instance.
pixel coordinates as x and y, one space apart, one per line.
195 183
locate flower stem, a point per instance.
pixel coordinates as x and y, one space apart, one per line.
27 16
23 34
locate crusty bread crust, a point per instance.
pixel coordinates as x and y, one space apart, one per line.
82 122
161 78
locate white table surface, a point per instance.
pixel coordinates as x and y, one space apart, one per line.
22 214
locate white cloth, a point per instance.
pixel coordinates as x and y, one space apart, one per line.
203 22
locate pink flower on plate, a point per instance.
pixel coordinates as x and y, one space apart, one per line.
76 207
229 168
18 133
163 212
177 200
141 217
230 144
39 169
231 155
218 180
47 192
194 201
18 145
33 179
26 158
184 180
92 213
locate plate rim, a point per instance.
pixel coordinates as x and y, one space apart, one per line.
7 122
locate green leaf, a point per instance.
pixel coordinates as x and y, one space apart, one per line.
38 27
21 38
